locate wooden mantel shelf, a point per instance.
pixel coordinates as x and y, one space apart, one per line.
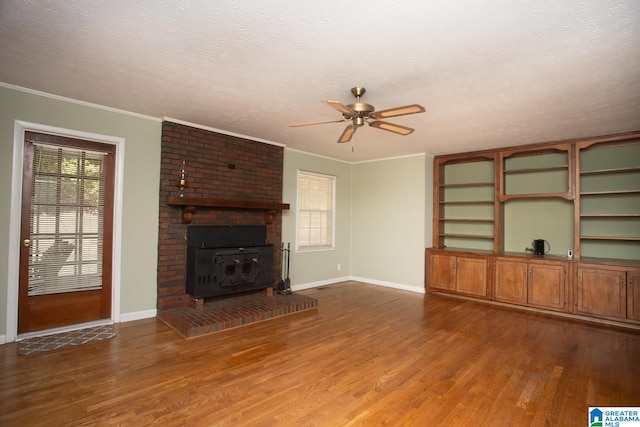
189 205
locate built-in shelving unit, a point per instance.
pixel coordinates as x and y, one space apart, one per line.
608 206
480 195
465 212
583 194
539 172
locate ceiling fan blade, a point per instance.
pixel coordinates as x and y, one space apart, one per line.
339 106
398 111
316 123
347 134
402 130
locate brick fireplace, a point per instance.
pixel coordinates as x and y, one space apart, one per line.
218 167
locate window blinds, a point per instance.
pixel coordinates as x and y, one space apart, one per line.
315 210
66 220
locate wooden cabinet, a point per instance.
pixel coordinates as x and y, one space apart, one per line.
538 284
471 276
510 283
606 291
601 291
465 275
441 272
548 285
596 289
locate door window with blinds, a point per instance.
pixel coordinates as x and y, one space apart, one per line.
316 211
66 220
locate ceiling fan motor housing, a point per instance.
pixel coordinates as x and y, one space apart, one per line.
361 109
362 112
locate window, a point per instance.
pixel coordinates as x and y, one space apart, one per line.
316 214
66 219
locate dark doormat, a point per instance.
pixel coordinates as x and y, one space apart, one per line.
65 339
219 314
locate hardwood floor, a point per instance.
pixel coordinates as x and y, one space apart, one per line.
368 356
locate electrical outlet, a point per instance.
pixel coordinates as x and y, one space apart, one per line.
339 267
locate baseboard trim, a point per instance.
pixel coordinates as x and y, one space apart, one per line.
138 315
393 285
399 286
320 283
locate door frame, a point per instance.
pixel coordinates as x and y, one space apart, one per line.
20 127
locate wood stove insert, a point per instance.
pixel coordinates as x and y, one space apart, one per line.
226 259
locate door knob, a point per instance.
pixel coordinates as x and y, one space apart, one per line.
26 243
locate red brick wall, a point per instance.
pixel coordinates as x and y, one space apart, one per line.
257 176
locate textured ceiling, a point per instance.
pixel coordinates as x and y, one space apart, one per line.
489 73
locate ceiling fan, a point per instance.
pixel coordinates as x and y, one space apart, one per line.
360 113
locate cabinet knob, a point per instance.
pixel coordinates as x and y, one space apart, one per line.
26 243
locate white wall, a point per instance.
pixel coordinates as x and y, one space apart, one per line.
141 174
382 221
318 267
388 226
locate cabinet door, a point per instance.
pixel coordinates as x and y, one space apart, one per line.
471 276
511 282
442 272
601 291
547 286
633 295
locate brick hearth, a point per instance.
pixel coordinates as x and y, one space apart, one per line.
232 311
